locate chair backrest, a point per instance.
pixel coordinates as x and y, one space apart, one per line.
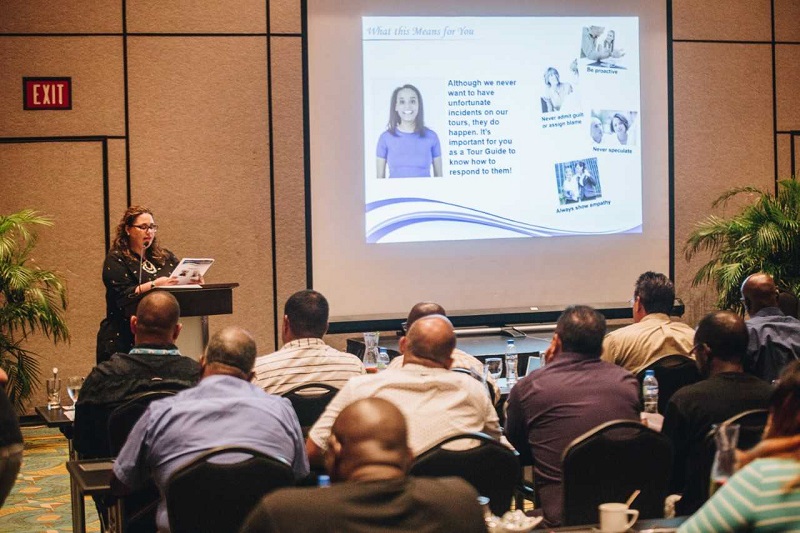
205 496
309 401
672 373
122 419
608 463
490 467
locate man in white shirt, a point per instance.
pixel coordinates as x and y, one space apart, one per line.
653 334
436 402
305 358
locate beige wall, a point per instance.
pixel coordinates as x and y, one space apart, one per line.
213 130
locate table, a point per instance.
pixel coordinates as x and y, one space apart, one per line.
90 477
652 525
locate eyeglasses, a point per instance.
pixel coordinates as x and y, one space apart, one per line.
146 227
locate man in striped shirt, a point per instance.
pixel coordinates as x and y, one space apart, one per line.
305 358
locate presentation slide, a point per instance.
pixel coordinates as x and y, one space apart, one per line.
499 157
510 127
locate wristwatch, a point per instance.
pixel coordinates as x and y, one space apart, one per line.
153 284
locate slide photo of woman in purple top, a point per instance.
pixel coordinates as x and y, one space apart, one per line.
407 147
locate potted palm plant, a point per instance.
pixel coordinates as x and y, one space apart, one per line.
763 237
32 301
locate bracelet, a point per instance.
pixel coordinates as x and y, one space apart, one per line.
152 284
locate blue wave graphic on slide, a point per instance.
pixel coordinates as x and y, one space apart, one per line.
464 215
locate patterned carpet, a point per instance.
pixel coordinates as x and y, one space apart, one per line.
39 501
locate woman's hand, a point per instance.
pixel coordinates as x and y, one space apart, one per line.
165 281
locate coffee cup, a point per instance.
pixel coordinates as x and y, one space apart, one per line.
616 517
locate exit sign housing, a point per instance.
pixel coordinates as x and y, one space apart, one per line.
46 94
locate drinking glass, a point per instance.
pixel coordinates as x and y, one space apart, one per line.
495 366
53 393
371 351
74 385
726 438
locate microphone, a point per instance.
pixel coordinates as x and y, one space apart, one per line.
147 244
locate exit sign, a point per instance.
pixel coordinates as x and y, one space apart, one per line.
46 93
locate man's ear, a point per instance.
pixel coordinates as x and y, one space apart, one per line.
177 331
402 344
133 325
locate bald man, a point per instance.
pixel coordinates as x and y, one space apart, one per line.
436 402
461 359
367 458
154 363
224 409
774 337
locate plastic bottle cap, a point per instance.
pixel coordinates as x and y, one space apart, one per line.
650 373
510 341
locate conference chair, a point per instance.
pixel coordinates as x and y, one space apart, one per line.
672 372
309 402
490 467
751 428
136 511
207 495
610 462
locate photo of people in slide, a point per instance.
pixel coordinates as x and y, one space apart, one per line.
578 181
408 148
560 93
598 45
614 128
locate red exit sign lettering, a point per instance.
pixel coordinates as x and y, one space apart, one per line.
46 93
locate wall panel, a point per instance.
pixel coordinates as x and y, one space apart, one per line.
285 16
190 16
731 20
787 75
64 16
787 20
199 157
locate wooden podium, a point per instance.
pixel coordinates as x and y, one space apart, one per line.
197 305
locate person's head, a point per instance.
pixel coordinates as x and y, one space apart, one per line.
551 77
568 173
232 352
368 440
619 124
653 293
788 304
420 310
610 36
720 343
759 291
157 319
136 229
305 316
406 105
430 341
580 167
784 405
580 329
596 130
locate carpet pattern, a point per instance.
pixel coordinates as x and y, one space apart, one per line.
40 501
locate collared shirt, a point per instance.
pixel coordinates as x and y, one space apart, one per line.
219 411
774 341
553 405
461 359
436 403
304 361
653 337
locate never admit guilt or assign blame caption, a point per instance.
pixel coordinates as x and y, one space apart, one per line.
475 124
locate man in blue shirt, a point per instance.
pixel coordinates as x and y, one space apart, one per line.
774 337
223 409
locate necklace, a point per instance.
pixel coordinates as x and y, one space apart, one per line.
149 267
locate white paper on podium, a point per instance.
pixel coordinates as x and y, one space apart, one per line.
191 268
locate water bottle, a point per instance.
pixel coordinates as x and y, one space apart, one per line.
383 359
650 392
511 363
323 481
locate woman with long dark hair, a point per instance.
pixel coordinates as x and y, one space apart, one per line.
135 264
407 147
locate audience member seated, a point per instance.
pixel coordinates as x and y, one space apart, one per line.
572 394
788 303
436 402
154 363
774 337
11 445
223 409
305 358
368 458
764 495
461 359
653 334
726 390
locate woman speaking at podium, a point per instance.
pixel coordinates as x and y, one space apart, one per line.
135 264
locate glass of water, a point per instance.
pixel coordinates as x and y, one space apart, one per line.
494 366
74 385
53 393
